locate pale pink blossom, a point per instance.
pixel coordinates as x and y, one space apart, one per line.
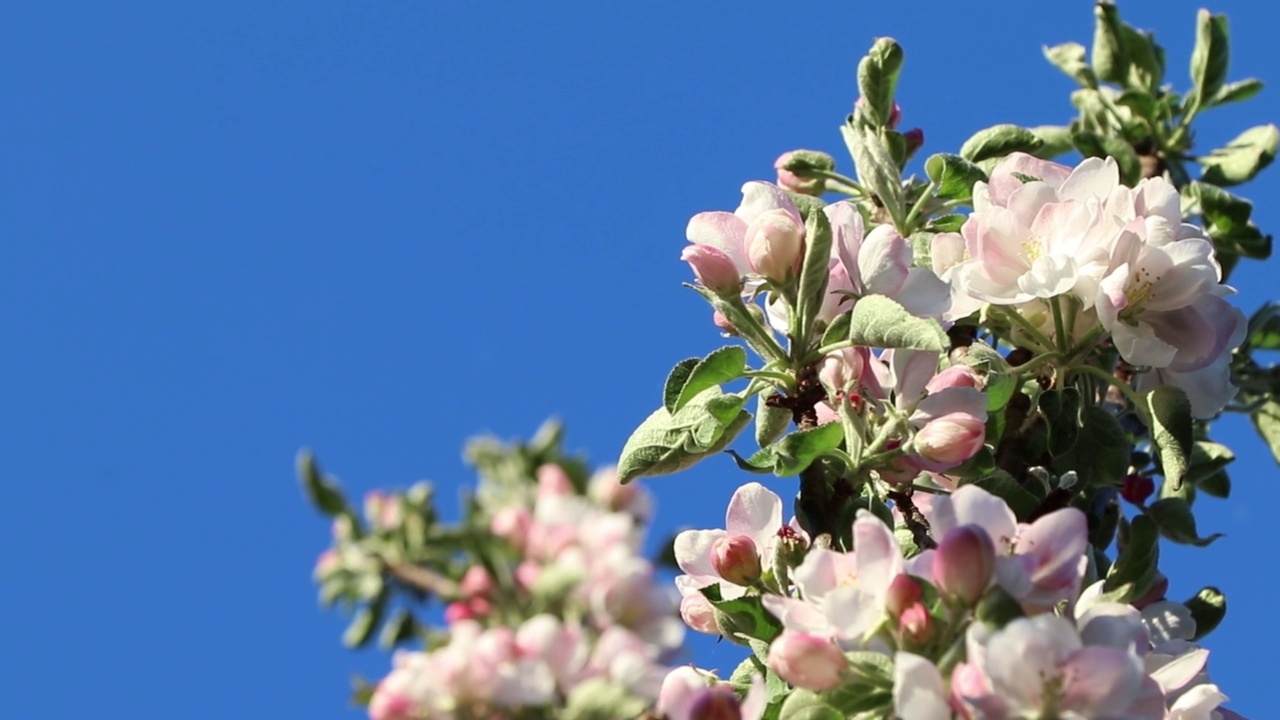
918 690
691 694
754 512
727 232
806 661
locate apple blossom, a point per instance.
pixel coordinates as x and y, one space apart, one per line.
964 563
806 661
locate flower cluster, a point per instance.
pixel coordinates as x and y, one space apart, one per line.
1051 651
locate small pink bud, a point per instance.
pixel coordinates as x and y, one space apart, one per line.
1159 589
806 661
387 704
713 269
476 582
719 320
479 607
326 563
903 593
1137 488
698 613
512 523
736 559
964 563
914 140
456 612
800 171
775 243
716 703
956 376
951 439
527 573
553 481
841 371
916 624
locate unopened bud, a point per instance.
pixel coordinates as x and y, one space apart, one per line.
1157 592
775 243
1137 488
964 563
956 376
697 613
713 269
841 371
916 624
553 481
456 612
806 661
476 582
799 171
903 592
915 140
951 439
716 703
736 559
512 523
719 320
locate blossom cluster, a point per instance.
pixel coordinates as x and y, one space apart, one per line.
1060 652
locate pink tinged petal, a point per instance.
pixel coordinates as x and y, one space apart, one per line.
837 301
1198 702
965 400
945 252
756 701
878 556
883 261
1168 621
679 690
692 549
759 197
755 511
798 615
1157 196
822 570
715 270
971 505
1100 679
1177 673
1093 178
1139 345
806 661
1027 201
1112 625
971 280
1111 298
1026 655
918 690
1049 276
923 294
1000 246
1057 541
1005 180
1209 388
1181 272
911 372
722 231
846 236
852 612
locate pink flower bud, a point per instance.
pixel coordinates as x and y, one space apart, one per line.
476 582
457 612
798 171
949 440
903 592
736 559
479 607
512 524
553 481
716 703
1137 488
806 661
956 376
775 243
841 371
713 269
527 573
1159 589
698 613
916 624
914 140
387 704
326 564
719 320
964 563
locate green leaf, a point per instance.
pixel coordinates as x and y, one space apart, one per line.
838 330
1174 517
795 452
1264 328
1210 55
1168 413
1094 145
1208 607
600 699
877 321
1069 58
998 141
808 705
675 383
361 691
877 79
401 627
666 443
1101 452
877 170
1237 91
742 619
1217 485
322 490
1134 570
814 272
1266 419
366 620
945 223
1208 459
1056 139
721 366
1146 60
1220 209
771 422
1110 59
1243 157
954 176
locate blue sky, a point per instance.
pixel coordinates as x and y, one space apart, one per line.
228 230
